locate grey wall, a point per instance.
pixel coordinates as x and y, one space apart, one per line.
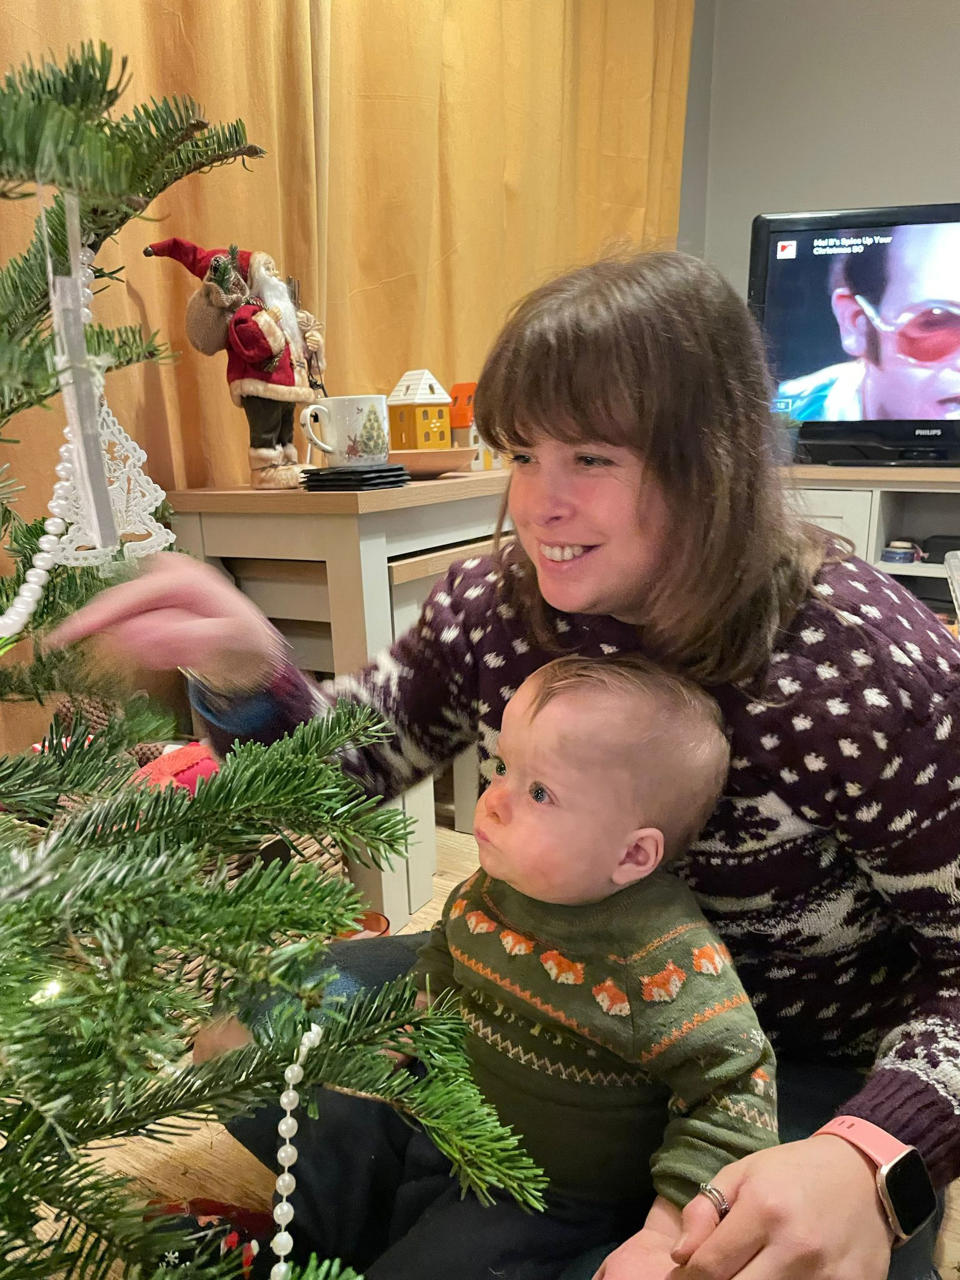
816 104
692 232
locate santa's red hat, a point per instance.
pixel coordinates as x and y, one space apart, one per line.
193 257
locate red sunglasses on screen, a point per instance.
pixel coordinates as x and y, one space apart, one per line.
926 333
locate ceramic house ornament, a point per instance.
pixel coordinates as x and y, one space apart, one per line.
419 409
465 434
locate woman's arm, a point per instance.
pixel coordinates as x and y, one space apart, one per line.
181 613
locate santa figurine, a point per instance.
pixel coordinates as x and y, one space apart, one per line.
275 356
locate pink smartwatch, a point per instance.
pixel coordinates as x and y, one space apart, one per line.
905 1189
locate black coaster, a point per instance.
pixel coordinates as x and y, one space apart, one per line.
338 479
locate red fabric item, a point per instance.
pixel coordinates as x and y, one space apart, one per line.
260 361
246 1229
195 259
182 768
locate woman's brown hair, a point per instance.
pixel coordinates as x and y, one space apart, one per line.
657 353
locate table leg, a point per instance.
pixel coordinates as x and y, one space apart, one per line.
361 625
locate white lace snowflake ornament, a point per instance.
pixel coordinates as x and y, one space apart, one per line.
133 499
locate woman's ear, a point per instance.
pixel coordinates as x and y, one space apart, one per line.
643 854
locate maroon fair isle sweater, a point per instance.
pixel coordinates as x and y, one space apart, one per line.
831 866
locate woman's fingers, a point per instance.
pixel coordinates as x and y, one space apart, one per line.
155 587
699 1223
727 1249
178 613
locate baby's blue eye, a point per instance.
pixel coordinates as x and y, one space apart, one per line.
538 793
499 768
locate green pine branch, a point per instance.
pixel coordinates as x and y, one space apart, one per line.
71 768
135 914
56 130
83 83
30 379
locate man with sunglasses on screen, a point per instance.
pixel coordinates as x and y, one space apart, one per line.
897 307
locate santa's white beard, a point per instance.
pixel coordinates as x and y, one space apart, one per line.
275 294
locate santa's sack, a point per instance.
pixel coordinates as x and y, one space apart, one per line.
208 317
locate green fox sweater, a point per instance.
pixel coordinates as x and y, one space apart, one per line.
614 1037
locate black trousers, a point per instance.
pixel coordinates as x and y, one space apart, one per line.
809 1094
270 421
373 1191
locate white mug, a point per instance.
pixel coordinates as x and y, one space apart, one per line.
351 430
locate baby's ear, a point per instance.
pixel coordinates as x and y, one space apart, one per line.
643 854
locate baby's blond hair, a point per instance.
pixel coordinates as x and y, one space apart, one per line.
682 751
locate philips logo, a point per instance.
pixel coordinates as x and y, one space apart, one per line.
928 431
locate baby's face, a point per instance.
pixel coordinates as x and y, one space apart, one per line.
561 805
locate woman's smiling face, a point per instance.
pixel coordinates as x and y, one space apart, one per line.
591 521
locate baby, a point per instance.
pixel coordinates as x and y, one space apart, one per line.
605 1022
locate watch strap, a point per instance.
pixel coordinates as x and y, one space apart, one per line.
881 1147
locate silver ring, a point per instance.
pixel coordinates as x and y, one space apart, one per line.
716 1198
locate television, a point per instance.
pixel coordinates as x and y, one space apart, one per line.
860 310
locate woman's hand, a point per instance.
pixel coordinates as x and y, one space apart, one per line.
804 1211
180 613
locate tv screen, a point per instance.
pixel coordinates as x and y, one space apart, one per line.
861 313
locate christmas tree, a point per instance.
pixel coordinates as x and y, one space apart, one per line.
373 438
59 131
129 916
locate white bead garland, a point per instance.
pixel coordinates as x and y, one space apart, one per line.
282 1242
30 592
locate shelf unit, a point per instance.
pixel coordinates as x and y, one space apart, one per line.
873 505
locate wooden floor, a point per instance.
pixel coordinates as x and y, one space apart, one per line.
208 1162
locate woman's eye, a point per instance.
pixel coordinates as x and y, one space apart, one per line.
499 768
539 793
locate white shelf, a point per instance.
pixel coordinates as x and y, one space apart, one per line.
917 569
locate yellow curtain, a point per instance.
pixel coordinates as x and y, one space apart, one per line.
237 60
478 147
428 161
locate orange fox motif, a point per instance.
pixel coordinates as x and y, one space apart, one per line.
663 985
477 922
760 1081
561 969
458 908
707 959
515 944
611 999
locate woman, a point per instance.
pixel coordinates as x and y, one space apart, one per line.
632 398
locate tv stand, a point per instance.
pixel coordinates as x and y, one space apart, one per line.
873 504
894 462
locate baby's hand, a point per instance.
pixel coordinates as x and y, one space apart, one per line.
219 1037
645 1255
422 1001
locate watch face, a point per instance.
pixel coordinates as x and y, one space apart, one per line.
909 1191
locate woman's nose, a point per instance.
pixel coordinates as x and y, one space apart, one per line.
539 499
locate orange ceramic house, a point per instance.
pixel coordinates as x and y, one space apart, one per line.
465 434
419 411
